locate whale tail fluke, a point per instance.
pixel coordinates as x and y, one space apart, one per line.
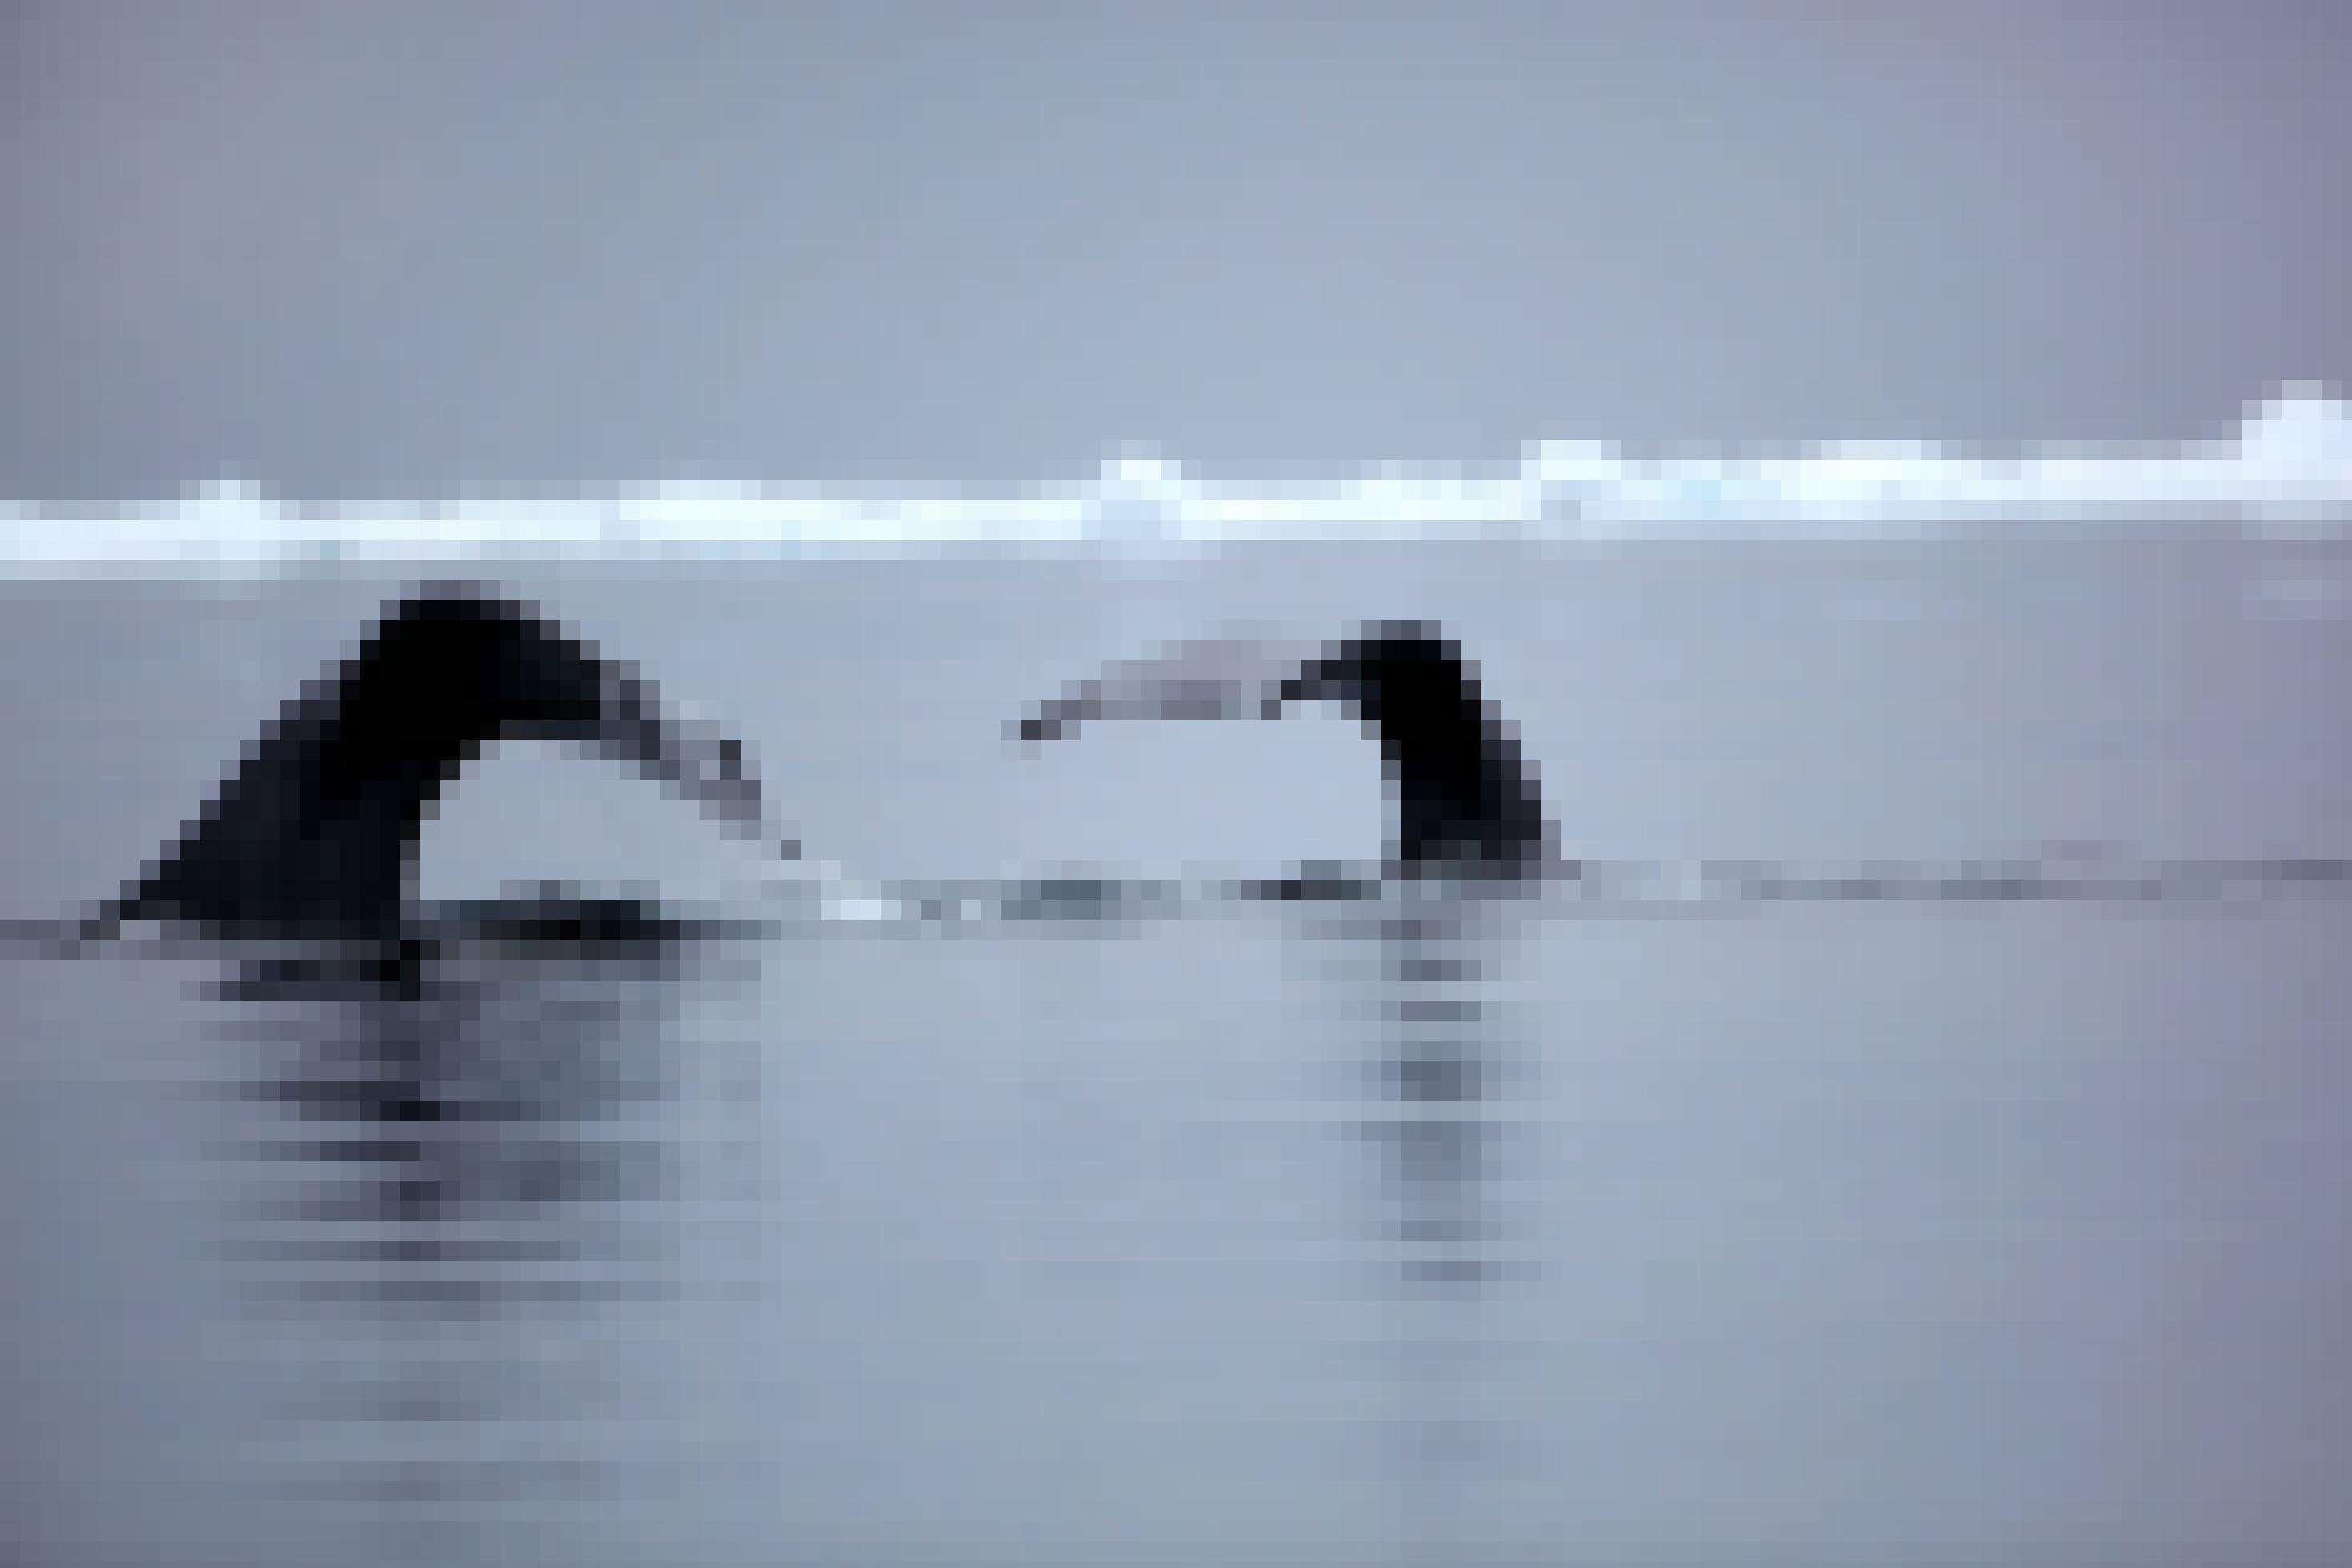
1467 806
316 832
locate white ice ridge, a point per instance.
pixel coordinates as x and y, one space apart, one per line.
2286 474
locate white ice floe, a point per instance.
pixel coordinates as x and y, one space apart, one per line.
2285 473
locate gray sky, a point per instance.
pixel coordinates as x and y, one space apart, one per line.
350 250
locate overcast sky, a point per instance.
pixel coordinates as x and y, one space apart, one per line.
349 250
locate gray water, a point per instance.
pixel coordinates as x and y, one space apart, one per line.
1834 1232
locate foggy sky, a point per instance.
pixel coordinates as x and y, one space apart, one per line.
351 250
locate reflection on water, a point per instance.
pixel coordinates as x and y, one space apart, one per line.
1445 1076
1238 1230
462 1152
462 1160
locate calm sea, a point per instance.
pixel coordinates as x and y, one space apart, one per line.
1419 1233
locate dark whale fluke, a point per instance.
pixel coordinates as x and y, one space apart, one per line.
315 834
1467 802
1468 806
